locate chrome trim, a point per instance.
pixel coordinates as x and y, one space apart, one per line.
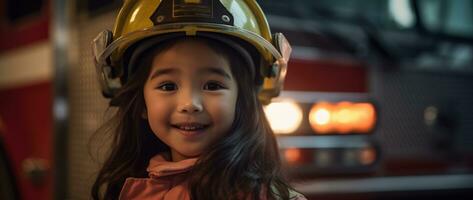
386 184
60 39
336 141
312 97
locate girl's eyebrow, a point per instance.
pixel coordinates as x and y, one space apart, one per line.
211 70
160 72
218 71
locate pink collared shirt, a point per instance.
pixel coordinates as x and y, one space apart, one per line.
167 181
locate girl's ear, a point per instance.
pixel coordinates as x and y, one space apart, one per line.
144 114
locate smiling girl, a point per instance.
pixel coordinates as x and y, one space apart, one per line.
187 77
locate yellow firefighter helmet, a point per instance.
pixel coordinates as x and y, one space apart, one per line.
238 19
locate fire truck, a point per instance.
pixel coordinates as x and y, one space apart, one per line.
377 98
376 104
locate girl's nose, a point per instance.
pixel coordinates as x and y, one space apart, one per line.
190 108
190 104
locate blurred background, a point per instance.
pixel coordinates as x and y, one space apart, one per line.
377 102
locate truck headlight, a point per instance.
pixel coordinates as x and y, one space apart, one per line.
284 116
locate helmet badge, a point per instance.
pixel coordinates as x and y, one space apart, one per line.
204 11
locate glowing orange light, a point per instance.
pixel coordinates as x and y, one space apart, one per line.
320 117
292 155
343 117
367 156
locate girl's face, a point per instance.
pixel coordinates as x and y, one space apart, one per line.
190 97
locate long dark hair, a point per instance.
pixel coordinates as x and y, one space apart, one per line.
244 163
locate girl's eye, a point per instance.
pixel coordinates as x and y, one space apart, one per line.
212 86
167 87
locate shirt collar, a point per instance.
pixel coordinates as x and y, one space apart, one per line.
160 166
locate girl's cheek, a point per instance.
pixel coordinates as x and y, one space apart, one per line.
222 104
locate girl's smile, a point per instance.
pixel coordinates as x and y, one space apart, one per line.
190 97
191 129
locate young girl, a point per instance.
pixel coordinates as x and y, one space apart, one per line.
187 78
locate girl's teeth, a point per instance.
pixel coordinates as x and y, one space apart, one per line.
190 128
